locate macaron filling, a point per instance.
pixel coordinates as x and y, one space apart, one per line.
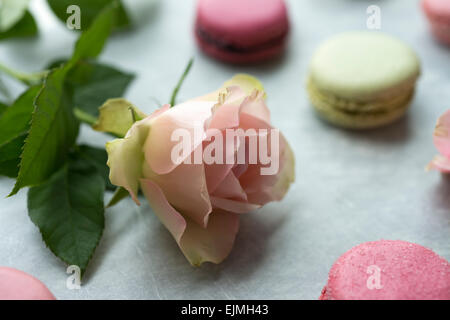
229 47
361 107
353 114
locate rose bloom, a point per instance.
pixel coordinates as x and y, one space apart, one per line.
199 202
441 138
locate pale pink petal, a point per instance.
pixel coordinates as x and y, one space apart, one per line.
217 171
286 175
189 117
251 180
233 205
169 217
226 112
226 115
239 169
440 163
248 121
442 134
160 111
233 95
185 188
262 189
255 106
274 188
262 195
230 188
211 244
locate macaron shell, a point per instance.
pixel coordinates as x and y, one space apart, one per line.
359 121
323 294
407 271
18 285
437 10
241 58
441 32
243 23
352 115
364 65
438 13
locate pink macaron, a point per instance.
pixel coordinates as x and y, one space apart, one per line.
388 270
242 31
438 13
18 285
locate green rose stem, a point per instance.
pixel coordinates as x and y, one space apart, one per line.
90 120
85 117
180 82
27 78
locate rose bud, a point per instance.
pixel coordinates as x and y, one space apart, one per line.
201 163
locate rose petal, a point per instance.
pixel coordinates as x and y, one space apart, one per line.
198 244
255 106
169 217
442 134
277 191
246 82
239 169
230 188
191 117
160 111
226 113
286 175
212 244
185 188
440 163
233 206
216 172
251 180
262 189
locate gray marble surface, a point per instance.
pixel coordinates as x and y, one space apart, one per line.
351 187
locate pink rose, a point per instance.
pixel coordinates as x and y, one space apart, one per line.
441 139
195 177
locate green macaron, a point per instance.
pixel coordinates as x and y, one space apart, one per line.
362 80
